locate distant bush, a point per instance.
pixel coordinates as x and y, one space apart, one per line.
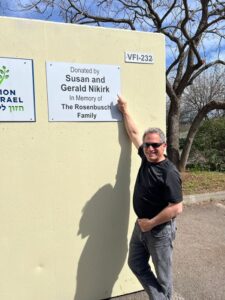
208 149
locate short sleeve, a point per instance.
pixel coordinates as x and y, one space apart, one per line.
141 152
173 190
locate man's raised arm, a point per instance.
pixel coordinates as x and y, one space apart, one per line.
130 126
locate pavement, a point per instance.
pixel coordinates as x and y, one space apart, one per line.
199 250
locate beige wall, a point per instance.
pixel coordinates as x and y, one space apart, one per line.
66 188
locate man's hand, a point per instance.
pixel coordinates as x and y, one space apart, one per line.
168 213
122 104
145 224
130 125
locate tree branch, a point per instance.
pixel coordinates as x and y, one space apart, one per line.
194 129
102 19
205 67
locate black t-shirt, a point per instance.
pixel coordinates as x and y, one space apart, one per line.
157 185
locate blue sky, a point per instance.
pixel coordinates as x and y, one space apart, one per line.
9 8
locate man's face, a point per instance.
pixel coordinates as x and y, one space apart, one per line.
154 154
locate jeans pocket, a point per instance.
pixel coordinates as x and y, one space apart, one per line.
161 231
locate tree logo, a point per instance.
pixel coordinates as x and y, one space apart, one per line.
3 74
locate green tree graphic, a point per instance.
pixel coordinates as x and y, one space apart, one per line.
3 74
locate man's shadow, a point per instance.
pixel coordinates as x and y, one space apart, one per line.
105 223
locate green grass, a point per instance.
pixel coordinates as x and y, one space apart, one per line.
198 182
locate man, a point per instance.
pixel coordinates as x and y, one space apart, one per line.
157 201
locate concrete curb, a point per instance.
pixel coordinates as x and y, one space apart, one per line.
199 198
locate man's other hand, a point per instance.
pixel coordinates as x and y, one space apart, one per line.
145 224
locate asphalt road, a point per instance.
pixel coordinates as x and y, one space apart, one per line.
199 252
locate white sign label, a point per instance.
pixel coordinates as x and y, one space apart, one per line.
16 90
82 92
140 58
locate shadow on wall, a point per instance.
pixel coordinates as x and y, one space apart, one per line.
105 222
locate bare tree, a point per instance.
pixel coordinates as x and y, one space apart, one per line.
189 26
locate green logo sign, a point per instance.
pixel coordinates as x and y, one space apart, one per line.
3 74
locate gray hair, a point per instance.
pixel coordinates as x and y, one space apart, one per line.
155 130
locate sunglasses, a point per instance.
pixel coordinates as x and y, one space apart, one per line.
153 145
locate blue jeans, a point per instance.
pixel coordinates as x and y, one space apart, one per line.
157 244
